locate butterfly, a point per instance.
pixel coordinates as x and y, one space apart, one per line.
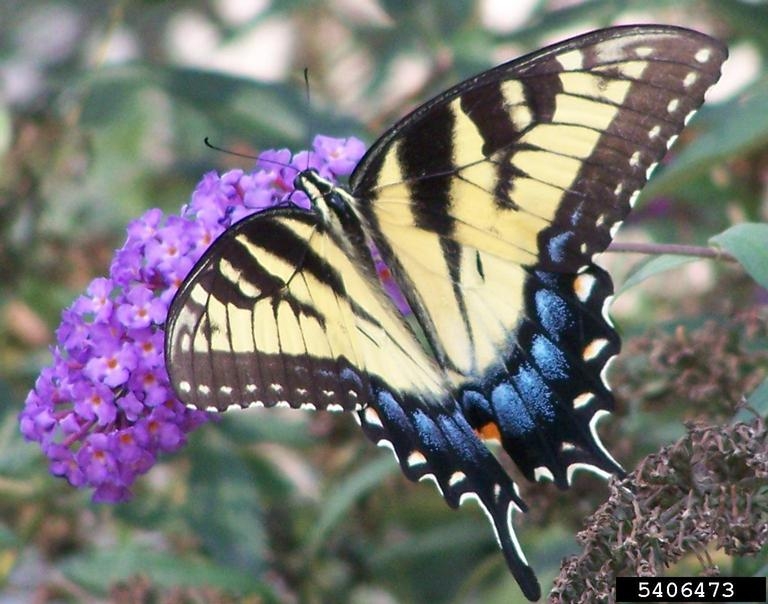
487 204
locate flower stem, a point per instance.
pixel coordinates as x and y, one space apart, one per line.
698 251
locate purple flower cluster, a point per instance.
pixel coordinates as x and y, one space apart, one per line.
104 410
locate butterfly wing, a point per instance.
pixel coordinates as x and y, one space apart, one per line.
489 202
279 312
265 318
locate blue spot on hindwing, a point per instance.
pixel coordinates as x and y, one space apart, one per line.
535 390
391 409
348 375
523 401
549 358
557 246
426 430
474 402
552 313
546 278
459 439
511 410
576 214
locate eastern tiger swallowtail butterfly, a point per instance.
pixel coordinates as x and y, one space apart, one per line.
488 204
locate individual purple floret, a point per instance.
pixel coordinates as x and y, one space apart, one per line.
104 409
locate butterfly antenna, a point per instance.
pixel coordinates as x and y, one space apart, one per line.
309 116
210 145
258 158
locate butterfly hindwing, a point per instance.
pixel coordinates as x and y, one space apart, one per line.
436 442
543 401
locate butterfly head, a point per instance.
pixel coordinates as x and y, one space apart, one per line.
314 185
325 197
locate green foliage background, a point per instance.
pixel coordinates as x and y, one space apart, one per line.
275 506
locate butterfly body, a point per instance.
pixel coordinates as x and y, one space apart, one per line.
487 204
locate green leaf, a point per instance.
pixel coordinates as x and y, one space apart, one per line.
203 103
460 536
427 559
6 130
253 426
748 242
654 266
99 570
757 402
346 494
732 129
224 505
17 457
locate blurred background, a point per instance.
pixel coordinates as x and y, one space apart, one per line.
103 111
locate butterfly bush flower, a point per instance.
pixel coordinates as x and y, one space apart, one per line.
104 409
